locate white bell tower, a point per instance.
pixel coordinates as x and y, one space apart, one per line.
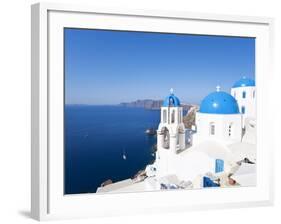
170 133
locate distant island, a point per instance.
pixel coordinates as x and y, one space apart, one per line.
150 104
147 104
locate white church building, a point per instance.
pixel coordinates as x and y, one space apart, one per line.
224 136
244 91
223 116
220 125
218 119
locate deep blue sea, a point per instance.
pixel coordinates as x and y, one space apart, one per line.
96 137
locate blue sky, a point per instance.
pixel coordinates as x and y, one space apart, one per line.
109 67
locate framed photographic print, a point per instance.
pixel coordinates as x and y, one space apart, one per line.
148 111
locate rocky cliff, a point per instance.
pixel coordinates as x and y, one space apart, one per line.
151 104
189 118
147 104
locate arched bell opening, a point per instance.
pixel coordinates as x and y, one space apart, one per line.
166 139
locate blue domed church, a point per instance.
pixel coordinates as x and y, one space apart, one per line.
218 118
224 117
225 134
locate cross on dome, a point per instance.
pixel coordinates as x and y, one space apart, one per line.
172 91
218 88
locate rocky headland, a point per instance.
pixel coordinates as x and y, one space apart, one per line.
150 104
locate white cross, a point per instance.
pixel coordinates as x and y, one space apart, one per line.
218 88
172 91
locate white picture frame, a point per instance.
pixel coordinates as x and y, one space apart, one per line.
48 201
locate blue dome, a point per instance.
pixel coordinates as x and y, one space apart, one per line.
219 103
244 82
171 101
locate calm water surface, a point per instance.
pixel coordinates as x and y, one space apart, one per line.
96 137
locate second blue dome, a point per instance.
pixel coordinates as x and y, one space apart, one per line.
219 102
244 82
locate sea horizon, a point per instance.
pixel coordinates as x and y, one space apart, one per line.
120 104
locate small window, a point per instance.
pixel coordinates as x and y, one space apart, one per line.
243 94
254 93
243 109
212 128
229 130
234 94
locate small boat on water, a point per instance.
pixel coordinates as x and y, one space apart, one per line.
150 131
124 155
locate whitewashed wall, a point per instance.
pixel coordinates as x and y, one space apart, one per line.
221 122
249 102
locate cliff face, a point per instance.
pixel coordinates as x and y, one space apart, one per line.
189 118
151 104
147 104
